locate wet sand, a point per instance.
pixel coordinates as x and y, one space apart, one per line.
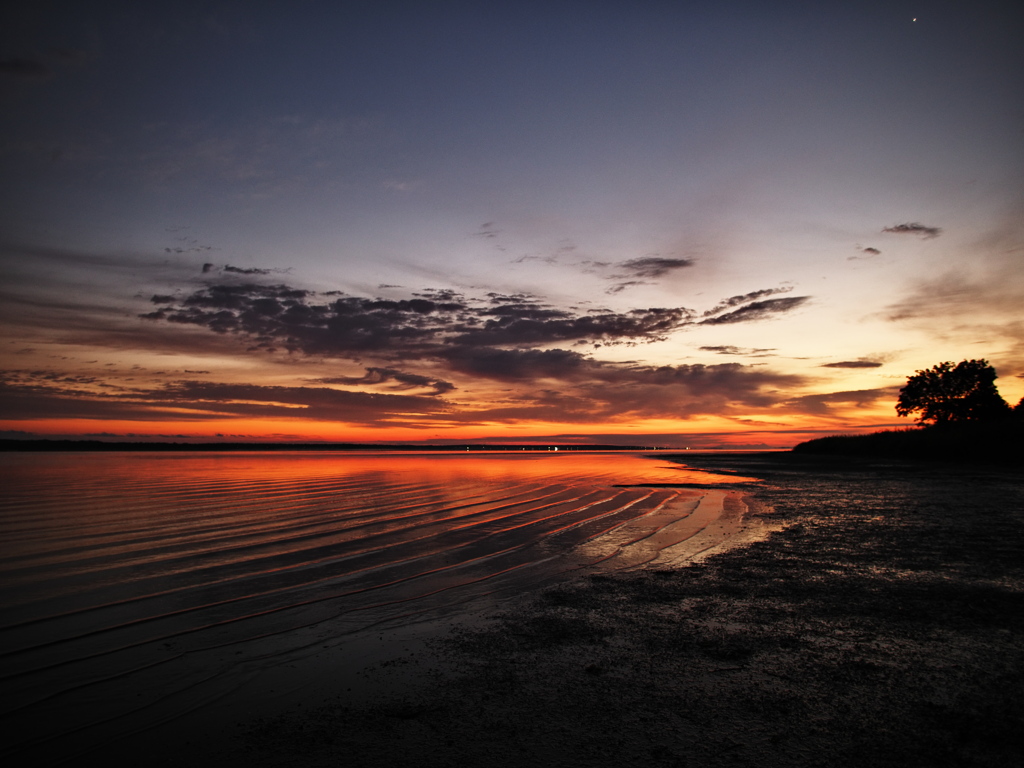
882 624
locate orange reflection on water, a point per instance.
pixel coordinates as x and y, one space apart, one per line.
455 467
236 560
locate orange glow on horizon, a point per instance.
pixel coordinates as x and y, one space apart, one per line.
674 434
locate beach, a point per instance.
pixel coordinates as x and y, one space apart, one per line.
881 623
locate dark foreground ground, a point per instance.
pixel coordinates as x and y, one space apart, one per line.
882 626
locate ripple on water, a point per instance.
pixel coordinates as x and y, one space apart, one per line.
140 586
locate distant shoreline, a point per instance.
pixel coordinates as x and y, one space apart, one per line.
1000 443
44 445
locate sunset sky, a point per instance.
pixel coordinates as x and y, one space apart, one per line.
698 224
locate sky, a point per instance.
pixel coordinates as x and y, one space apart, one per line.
688 224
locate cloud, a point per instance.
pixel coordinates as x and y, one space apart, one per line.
249 271
200 401
187 244
822 405
487 230
727 349
278 316
555 385
758 310
974 308
853 364
528 324
518 364
617 393
735 301
914 228
653 266
403 380
957 296
320 403
639 271
508 356
868 253
620 287
530 257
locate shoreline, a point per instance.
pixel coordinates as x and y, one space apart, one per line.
883 624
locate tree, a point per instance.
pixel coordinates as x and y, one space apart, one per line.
948 394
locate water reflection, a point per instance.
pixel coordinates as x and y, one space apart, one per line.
141 585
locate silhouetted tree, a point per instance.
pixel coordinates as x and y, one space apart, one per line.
951 393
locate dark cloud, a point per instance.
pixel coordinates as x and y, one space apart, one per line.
527 324
512 339
954 294
518 364
853 364
731 380
653 266
639 271
21 67
913 228
865 253
277 316
620 287
727 349
610 392
190 249
403 380
574 389
758 310
735 301
487 230
983 308
319 403
249 271
199 401
603 391
511 298
821 405
530 257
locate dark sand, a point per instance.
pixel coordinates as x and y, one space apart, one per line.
883 625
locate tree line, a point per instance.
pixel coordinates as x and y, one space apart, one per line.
956 393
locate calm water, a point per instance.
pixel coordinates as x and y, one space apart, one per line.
138 587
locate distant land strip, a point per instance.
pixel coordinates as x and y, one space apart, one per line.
101 445
999 443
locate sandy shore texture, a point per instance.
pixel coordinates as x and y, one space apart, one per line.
881 624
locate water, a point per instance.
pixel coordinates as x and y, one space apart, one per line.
140 587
